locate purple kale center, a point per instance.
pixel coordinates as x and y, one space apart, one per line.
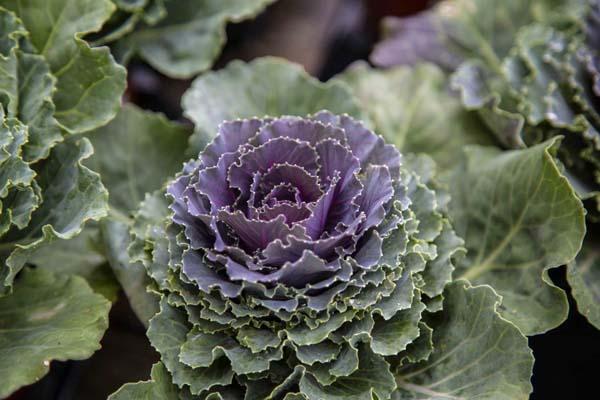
284 202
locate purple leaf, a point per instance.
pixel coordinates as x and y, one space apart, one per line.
377 191
307 185
301 129
231 135
257 234
262 158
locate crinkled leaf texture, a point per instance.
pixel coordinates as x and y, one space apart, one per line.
46 192
519 217
477 354
52 85
295 257
47 317
68 194
89 83
180 38
529 68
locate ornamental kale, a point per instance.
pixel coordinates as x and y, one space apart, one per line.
299 256
298 252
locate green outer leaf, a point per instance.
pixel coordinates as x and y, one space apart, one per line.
583 275
89 83
421 348
136 153
265 86
519 217
131 276
47 317
190 37
167 333
482 93
371 379
392 336
80 256
415 110
19 196
87 100
26 81
160 387
477 354
73 194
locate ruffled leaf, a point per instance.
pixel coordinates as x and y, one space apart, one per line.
167 333
89 83
73 194
456 30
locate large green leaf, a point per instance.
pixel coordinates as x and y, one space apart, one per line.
519 217
583 275
136 153
82 256
72 193
47 317
89 83
190 36
266 86
477 354
414 109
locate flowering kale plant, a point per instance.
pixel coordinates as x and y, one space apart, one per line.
298 256
303 257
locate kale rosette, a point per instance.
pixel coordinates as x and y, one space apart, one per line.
295 258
